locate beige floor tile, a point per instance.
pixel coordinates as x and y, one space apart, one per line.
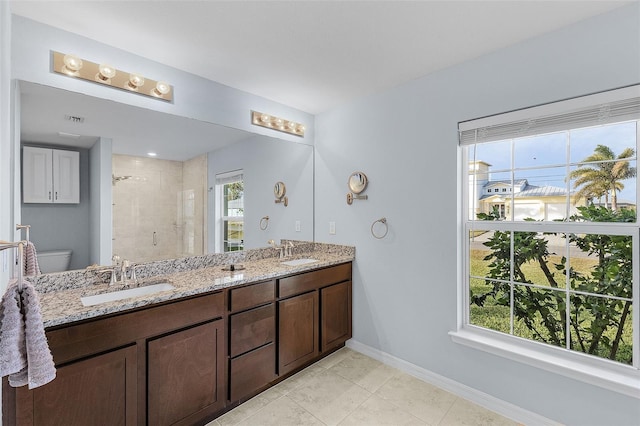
335 358
293 382
418 398
376 411
329 397
465 413
364 371
243 411
281 412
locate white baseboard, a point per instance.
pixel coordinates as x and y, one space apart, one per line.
487 401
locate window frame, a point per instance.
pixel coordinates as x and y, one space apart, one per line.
602 372
223 179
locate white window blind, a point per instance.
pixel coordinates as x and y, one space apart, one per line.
229 177
600 108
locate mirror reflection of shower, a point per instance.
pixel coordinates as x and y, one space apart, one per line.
159 207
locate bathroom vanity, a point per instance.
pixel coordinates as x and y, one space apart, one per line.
186 356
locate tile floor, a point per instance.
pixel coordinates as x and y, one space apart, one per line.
348 388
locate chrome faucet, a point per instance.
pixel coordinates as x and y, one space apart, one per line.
281 249
120 266
123 272
289 249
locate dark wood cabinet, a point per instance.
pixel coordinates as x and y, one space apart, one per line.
185 375
298 331
314 315
164 364
252 339
187 361
97 390
335 315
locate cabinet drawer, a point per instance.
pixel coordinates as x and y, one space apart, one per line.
312 280
89 338
253 295
252 371
252 329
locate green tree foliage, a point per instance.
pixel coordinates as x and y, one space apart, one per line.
604 174
596 323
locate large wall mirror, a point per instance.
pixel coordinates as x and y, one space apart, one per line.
205 191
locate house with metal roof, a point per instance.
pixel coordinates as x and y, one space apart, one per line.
526 200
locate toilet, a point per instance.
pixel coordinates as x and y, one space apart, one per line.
54 260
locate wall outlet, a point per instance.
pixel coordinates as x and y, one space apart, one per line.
332 228
297 226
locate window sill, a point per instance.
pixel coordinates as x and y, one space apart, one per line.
599 372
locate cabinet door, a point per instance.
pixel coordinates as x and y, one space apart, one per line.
335 315
37 177
66 176
185 375
97 390
298 331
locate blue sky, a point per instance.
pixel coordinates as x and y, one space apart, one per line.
547 154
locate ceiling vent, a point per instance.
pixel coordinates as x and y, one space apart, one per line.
74 119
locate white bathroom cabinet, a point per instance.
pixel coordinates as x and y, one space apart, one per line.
50 176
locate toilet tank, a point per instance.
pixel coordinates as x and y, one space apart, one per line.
54 260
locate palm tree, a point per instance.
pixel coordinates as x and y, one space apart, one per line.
604 175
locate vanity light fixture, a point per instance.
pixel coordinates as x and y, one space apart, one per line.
277 123
75 67
72 64
135 82
161 89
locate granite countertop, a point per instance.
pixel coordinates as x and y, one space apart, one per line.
64 306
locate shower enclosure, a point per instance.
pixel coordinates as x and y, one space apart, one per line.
159 208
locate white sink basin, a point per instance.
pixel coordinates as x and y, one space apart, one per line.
298 262
124 294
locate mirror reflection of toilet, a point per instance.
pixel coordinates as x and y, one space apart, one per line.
54 260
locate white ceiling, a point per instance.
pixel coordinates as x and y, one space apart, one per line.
311 55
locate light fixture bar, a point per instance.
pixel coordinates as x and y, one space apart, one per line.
105 74
276 123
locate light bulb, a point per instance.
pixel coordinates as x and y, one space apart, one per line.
162 88
292 125
72 64
278 122
135 81
265 118
106 73
301 128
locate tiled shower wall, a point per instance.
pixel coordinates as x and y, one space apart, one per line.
158 208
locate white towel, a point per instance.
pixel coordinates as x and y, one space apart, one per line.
27 344
31 266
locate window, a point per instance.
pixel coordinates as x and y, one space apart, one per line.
230 211
557 263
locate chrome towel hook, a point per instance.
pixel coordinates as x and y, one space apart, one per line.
383 221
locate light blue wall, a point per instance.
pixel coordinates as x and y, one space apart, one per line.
405 140
100 211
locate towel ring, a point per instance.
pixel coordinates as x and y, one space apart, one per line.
264 223
383 221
